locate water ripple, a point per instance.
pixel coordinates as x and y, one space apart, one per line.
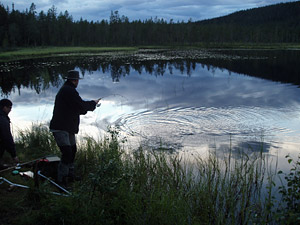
178 124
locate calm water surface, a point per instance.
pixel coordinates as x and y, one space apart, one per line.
188 102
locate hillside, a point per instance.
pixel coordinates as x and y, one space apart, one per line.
288 13
279 23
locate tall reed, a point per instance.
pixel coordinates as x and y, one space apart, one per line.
36 141
154 187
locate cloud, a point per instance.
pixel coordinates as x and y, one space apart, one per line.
177 10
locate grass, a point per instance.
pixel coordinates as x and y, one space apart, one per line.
148 187
39 52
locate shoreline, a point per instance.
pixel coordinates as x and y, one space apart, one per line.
44 52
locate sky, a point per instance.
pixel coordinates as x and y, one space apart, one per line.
178 10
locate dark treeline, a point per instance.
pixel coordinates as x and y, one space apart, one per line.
271 24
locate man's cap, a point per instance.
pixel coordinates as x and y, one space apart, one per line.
73 75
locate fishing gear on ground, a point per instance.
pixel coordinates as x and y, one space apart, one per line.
43 168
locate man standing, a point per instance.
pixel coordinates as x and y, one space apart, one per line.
64 124
6 139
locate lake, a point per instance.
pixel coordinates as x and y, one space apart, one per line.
188 101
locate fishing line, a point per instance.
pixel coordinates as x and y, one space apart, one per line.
131 132
126 129
115 94
108 96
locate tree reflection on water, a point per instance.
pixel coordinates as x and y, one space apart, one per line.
40 74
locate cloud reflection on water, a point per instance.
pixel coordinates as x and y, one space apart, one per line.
184 107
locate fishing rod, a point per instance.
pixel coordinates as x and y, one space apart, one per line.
2 179
21 164
52 182
38 173
114 94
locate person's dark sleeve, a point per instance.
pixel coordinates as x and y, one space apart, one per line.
87 106
83 106
7 140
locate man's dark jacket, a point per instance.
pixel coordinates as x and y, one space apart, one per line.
68 107
6 140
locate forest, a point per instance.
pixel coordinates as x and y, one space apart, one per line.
279 23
